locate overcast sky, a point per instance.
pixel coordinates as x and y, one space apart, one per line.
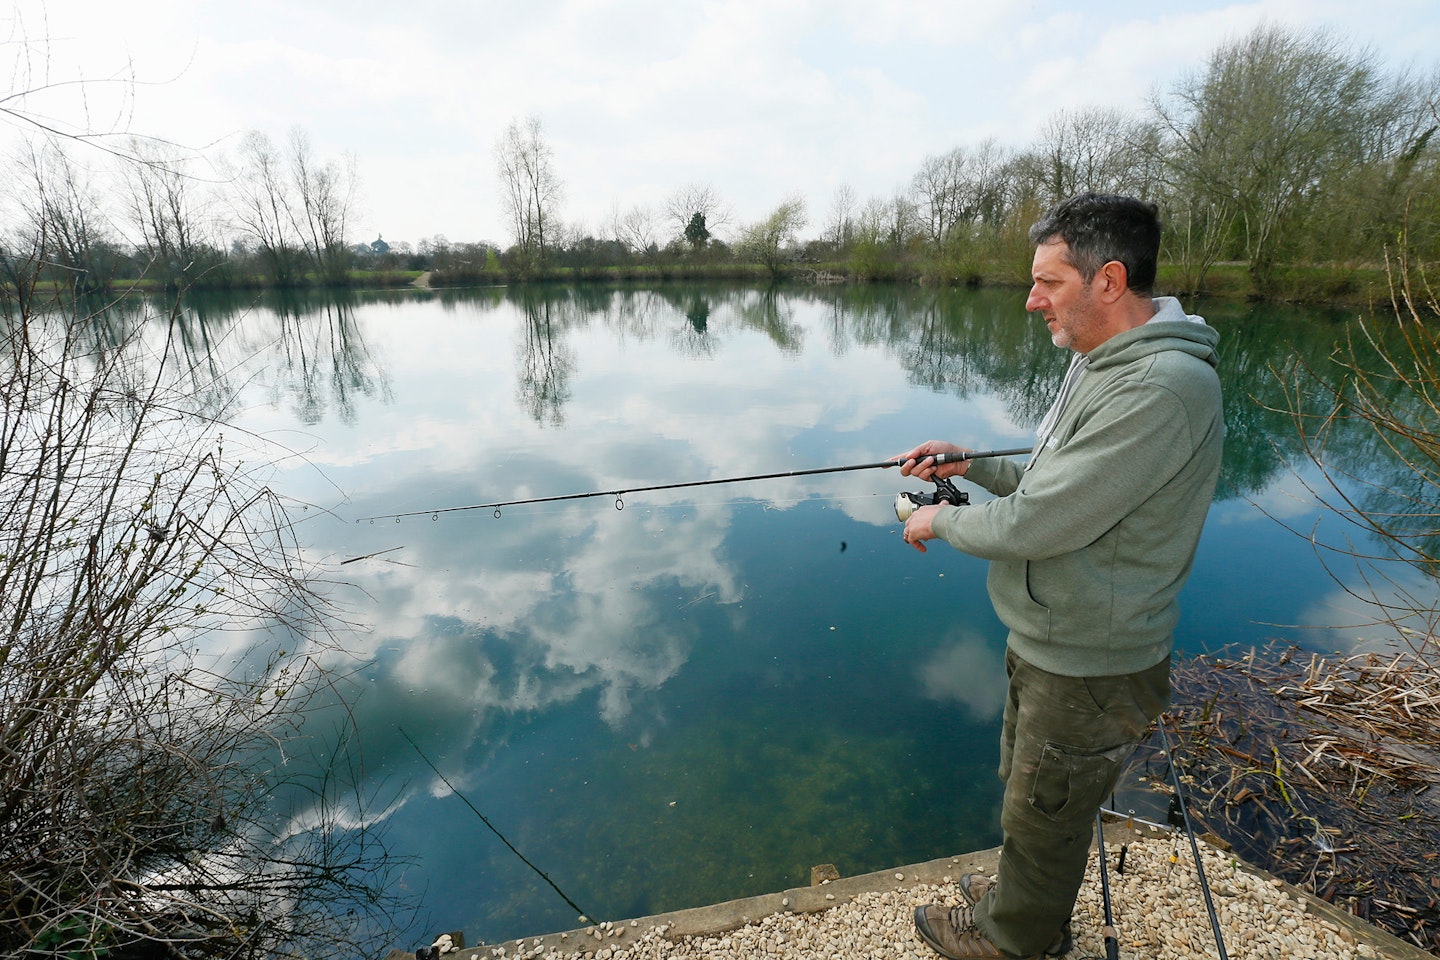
757 98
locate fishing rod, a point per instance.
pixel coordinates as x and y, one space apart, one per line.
1190 832
943 494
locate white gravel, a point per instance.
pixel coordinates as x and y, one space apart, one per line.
1158 908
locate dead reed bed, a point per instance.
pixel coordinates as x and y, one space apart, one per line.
1322 770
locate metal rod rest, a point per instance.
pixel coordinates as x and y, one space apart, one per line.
1194 847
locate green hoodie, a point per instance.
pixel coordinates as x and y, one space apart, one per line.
1091 541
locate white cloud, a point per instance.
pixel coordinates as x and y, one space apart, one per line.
641 97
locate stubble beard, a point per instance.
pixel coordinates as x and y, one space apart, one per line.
1080 318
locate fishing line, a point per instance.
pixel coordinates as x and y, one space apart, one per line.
619 495
1190 832
584 917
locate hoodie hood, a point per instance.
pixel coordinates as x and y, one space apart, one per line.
1170 329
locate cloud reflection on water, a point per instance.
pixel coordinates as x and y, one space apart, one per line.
965 671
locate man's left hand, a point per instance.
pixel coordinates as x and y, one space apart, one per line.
918 529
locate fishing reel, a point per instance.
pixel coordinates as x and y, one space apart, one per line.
907 503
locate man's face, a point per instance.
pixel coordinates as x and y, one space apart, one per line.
1063 299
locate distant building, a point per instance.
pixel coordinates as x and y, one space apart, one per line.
379 246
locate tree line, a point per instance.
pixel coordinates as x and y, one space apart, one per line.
1288 159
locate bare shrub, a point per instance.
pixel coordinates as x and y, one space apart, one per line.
155 618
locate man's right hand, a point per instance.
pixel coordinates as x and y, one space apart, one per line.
924 466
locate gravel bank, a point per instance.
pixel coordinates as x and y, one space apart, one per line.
1157 902
1158 908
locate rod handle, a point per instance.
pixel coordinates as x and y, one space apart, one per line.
940 458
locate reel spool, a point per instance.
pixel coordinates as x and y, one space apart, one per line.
906 503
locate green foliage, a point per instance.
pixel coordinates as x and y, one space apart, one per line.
696 232
871 260
767 242
74 938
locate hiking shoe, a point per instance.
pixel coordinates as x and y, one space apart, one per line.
951 932
973 886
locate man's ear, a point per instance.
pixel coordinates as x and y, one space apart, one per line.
1113 282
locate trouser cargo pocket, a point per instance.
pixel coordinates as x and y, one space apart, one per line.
1071 782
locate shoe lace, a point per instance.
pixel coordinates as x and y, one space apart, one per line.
962 918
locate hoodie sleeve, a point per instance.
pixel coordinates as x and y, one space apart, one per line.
1124 449
999 475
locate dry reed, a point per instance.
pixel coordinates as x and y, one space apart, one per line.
1321 769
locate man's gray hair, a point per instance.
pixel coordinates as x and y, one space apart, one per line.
1101 227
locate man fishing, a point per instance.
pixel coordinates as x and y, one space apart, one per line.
1089 543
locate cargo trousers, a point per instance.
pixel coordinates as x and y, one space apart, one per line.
1062 746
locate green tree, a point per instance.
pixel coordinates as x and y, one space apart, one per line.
1262 135
767 242
696 233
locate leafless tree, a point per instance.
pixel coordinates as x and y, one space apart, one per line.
889 221
635 230
1369 421
955 191
682 205
146 808
840 227
325 194
295 209
546 357
261 205
990 188
169 209
939 187
530 189
1095 148
43 100
62 216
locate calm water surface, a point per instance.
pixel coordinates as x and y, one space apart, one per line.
702 695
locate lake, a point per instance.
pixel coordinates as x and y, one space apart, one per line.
699 696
